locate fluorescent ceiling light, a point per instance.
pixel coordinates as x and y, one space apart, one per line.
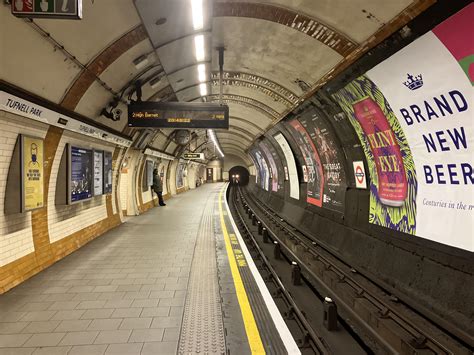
199 47
202 72
203 89
141 62
198 19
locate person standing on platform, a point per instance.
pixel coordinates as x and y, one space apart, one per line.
158 187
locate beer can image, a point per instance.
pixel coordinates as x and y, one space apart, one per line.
392 180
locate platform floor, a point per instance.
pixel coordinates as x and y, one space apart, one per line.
164 282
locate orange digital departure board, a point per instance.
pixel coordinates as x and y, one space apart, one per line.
178 115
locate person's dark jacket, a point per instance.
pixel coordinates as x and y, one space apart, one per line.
157 184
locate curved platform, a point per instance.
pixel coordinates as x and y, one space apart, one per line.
177 279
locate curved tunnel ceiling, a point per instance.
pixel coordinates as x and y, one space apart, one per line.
277 53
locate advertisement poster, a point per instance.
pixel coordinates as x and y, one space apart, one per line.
274 171
314 169
180 175
265 175
32 158
257 168
149 172
290 167
107 172
415 121
80 181
331 159
98 173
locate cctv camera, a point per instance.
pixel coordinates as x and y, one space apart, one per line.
116 113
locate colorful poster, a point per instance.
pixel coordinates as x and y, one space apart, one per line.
265 172
107 172
274 171
415 121
80 180
314 170
98 172
257 168
149 173
331 159
33 179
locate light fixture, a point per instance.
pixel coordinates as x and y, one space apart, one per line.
202 72
141 62
155 81
198 19
214 140
199 47
203 89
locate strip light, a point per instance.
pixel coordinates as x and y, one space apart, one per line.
199 47
198 18
203 89
202 72
211 134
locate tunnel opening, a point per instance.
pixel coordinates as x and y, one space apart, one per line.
239 174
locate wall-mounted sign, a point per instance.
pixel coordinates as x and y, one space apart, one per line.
158 154
32 172
359 175
107 172
80 174
62 9
193 156
98 172
178 115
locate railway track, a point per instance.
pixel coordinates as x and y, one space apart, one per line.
381 321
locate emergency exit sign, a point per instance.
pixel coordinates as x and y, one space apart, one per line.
61 9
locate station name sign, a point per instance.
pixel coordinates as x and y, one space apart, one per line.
193 156
178 115
61 9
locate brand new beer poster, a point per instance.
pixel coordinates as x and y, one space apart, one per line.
415 121
33 194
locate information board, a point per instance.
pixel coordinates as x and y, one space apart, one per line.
80 174
98 172
178 115
107 172
193 156
32 170
63 9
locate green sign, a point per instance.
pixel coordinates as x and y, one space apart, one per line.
64 9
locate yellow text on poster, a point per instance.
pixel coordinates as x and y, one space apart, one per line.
33 172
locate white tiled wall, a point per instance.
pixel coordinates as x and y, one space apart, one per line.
123 190
15 230
66 220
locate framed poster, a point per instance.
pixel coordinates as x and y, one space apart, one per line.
149 172
98 172
107 172
80 174
32 172
291 172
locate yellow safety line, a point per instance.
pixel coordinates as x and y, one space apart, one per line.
253 335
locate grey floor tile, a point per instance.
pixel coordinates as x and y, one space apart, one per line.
35 306
146 335
145 303
79 338
44 339
155 312
38 316
13 340
124 349
88 350
41 327
171 334
63 305
52 350
105 324
126 313
166 322
73 325
136 323
59 297
68 315
118 295
161 348
16 351
118 304
90 304
12 327
113 336
162 294
97 313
